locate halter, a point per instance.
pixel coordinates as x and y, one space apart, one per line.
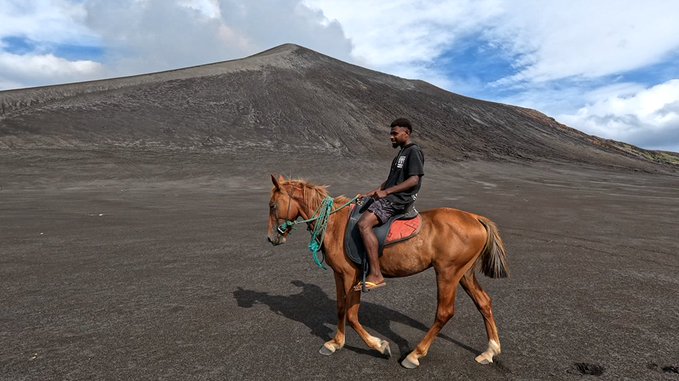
281 229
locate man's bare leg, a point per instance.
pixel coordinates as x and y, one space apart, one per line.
365 225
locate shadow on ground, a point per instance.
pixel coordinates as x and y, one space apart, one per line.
296 307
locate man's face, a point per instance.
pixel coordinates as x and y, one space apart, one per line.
399 136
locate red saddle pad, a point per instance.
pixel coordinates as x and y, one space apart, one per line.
403 229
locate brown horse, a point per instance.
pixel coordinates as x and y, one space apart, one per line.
450 240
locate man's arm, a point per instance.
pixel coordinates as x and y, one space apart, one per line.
404 186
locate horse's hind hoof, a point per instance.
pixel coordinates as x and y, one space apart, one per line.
327 349
409 363
385 350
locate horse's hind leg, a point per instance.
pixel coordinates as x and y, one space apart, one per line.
484 305
447 281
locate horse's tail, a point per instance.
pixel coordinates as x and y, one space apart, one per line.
494 257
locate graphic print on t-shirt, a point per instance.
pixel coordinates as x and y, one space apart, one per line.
401 161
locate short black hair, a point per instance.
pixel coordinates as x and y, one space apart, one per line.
402 122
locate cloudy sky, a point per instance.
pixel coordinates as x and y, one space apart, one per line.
607 67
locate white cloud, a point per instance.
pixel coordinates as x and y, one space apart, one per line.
153 35
46 21
35 70
42 25
209 8
546 41
141 36
649 117
584 38
269 23
405 37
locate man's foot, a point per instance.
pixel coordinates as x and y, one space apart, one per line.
369 285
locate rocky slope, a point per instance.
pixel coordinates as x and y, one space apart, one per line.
291 100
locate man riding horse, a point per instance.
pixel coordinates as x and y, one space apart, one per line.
392 197
452 242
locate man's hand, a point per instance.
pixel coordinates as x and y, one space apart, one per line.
376 194
369 194
379 194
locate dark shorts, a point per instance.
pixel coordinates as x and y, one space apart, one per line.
384 209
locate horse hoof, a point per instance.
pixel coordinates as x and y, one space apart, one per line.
385 349
328 349
486 357
410 364
483 359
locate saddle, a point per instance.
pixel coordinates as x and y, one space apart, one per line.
399 228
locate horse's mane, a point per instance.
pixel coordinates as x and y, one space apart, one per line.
313 195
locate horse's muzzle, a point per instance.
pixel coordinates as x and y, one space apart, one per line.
279 240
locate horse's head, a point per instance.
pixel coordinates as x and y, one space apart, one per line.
283 207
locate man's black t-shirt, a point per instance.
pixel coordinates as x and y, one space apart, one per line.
408 162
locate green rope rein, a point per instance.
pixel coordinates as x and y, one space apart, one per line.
322 217
320 226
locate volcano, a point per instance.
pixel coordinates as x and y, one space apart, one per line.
291 100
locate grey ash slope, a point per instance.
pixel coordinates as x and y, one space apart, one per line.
293 99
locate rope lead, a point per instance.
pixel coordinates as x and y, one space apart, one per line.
322 217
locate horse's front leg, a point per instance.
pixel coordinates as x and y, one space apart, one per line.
354 302
337 343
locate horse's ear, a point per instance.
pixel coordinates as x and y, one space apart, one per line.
275 182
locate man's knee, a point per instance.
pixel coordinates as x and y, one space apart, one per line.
367 221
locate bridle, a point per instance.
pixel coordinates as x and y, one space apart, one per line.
281 229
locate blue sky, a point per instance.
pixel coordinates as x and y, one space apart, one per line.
608 68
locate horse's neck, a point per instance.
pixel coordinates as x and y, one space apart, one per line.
308 210
335 221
